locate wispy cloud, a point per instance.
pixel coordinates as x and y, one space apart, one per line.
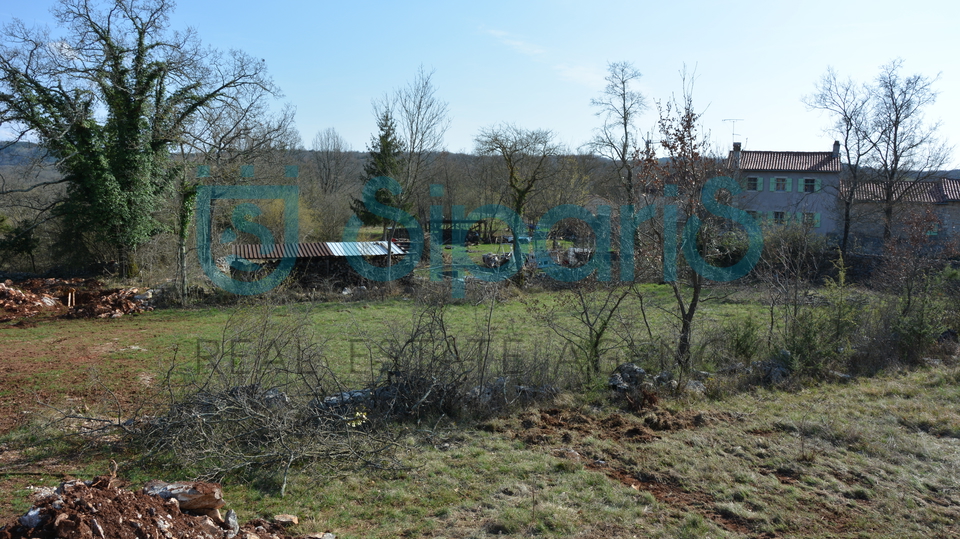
589 76
516 44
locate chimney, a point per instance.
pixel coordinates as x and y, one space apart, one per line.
836 148
736 155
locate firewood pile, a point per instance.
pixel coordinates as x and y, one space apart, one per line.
69 298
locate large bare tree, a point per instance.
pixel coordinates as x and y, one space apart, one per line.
849 104
888 141
332 159
617 139
529 158
422 120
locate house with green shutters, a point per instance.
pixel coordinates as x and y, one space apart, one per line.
789 187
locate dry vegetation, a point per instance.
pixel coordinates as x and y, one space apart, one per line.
458 436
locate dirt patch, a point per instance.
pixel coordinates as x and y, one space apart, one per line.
669 493
103 509
564 426
565 431
69 369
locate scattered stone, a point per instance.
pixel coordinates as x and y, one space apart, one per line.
67 298
840 376
209 527
931 362
286 520
33 518
774 371
664 378
627 377
195 496
697 387
231 524
102 509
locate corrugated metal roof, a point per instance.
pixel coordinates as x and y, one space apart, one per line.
315 250
787 161
939 191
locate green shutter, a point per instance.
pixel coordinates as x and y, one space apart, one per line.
759 183
798 217
789 184
816 219
770 217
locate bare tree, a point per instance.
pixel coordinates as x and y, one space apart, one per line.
530 158
888 142
223 139
906 150
331 157
683 180
849 103
617 138
422 120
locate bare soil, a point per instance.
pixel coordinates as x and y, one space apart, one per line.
104 509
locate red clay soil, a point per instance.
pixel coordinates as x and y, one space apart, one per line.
102 509
77 362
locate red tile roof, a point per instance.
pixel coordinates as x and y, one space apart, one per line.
938 191
751 161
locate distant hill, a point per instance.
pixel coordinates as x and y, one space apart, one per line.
21 153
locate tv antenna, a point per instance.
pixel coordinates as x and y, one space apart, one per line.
733 130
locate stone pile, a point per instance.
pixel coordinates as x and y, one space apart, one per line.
103 509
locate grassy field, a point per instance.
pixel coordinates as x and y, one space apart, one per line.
876 457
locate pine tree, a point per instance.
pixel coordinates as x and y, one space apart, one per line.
385 158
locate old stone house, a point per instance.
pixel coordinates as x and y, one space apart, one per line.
789 187
939 196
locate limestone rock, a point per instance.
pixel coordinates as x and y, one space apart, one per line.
196 496
286 520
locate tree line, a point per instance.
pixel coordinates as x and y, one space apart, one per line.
125 109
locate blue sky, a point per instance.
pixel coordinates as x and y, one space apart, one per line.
538 63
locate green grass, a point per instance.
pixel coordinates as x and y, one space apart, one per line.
873 458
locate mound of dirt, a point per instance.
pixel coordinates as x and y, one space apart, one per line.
68 298
103 509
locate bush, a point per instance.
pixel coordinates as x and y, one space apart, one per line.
256 403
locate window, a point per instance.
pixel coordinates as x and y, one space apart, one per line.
779 217
781 184
753 184
809 185
808 218
752 213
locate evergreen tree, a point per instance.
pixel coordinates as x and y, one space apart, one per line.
385 157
